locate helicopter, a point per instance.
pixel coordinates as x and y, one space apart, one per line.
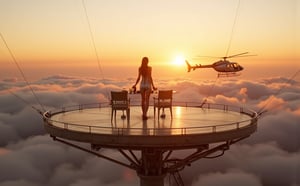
224 67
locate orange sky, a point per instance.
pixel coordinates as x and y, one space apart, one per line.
55 34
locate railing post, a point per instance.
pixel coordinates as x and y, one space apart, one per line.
66 126
214 128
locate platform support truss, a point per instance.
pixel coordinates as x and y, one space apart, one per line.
155 163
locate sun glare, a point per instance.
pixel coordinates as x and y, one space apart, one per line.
178 61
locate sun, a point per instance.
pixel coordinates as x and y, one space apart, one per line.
179 61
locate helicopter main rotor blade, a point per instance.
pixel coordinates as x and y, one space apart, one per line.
236 55
207 57
225 57
247 55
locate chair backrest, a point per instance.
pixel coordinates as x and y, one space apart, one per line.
119 96
165 94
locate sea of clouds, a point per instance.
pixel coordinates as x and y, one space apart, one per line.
29 157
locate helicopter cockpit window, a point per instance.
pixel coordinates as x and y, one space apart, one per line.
235 65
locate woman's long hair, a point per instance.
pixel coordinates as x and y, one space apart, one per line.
144 66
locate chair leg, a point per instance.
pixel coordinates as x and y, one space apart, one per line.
171 112
128 115
158 113
111 116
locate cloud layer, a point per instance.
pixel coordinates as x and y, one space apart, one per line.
29 157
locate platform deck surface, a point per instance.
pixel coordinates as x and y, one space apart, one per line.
186 120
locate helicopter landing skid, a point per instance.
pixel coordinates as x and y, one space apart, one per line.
228 74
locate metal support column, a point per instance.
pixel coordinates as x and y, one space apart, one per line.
152 170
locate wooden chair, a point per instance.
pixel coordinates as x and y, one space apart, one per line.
164 100
120 101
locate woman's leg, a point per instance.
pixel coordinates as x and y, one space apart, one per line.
147 97
143 93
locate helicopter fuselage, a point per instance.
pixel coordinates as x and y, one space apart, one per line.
226 66
223 66
219 66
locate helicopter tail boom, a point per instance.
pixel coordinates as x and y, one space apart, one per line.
190 67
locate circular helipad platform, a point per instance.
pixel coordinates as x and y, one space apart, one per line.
190 126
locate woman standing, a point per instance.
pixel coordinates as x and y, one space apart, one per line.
145 85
